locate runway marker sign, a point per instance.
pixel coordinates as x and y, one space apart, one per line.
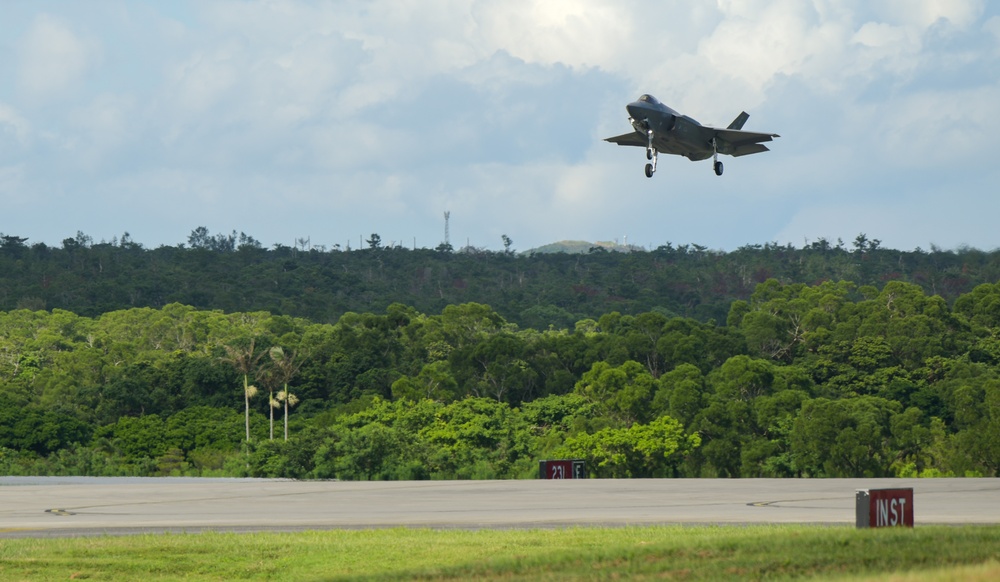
562 469
884 508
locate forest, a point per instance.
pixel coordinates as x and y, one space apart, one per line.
224 358
235 273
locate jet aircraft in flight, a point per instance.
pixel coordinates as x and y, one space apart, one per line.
659 128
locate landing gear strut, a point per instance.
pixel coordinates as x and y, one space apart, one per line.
716 164
651 154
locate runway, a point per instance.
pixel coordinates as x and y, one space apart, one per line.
42 507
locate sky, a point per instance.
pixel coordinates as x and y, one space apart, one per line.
331 121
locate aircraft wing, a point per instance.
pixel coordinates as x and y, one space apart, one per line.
629 139
741 143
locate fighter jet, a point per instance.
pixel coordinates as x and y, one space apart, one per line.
659 128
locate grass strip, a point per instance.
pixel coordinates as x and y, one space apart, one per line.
634 553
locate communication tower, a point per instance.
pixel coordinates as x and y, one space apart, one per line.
447 237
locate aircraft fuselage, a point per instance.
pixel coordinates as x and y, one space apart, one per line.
673 133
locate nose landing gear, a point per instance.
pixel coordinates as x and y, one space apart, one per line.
651 154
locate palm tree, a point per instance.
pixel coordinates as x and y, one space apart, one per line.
272 404
290 400
285 368
249 391
245 361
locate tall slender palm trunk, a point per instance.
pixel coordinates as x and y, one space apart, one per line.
246 396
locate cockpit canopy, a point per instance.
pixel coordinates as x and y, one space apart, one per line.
647 98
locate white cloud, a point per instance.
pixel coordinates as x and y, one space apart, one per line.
941 129
992 27
203 79
11 189
53 59
778 38
14 128
879 35
587 33
923 14
102 127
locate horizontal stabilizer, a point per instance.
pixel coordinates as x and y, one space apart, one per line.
754 148
739 121
629 139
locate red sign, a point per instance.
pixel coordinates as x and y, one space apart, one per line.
562 469
884 507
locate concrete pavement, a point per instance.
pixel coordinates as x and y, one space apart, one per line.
36 506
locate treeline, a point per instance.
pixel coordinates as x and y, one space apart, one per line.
235 273
826 380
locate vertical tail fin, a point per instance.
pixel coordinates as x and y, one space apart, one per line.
739 121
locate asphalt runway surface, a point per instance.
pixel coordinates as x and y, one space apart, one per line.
53 506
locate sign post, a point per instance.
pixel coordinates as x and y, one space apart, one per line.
562 469
884 508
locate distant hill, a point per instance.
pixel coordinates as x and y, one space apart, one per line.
577 247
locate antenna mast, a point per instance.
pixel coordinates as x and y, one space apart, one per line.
447 237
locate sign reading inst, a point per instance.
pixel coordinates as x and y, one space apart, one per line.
884 507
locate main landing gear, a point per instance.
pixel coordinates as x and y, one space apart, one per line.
651 154
716 164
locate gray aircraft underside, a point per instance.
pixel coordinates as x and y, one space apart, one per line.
659 128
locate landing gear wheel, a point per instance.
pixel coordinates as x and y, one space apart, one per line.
718 168
649 153
649 170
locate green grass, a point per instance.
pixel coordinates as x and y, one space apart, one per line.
638 553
